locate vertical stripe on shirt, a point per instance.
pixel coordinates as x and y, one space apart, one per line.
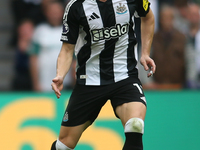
84 54
106 56
92 66
120 55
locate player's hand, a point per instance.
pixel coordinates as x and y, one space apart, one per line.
148 64
57 85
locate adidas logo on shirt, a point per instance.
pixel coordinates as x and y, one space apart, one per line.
93 16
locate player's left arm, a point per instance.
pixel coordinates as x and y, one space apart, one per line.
147 32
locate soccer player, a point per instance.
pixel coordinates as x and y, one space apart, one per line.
102 34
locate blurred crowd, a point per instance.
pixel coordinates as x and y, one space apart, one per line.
37 44
175 48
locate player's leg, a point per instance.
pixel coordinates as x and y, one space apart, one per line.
130 110
129 104
83 108
132 116
69 137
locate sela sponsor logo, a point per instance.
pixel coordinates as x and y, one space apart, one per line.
108 33
121 9
65 118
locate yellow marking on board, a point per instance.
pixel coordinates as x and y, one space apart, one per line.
13 115
101 138
39 137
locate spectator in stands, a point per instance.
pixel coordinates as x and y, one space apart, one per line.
168 53
22 79
181 16
32 9
45 48
23 9
193 48
27 9
168 2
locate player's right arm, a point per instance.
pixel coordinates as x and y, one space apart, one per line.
64 61
69 38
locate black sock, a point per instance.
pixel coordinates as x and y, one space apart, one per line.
53 146
133 141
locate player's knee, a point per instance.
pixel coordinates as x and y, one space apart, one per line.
58 145
134 125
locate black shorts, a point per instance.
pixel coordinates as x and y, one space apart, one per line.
86 102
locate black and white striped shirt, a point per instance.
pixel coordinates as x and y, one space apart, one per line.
106 46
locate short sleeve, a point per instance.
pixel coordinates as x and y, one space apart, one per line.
70 29
142 8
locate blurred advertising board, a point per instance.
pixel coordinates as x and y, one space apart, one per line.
31 121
